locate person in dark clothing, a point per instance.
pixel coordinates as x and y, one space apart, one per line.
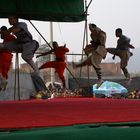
122 51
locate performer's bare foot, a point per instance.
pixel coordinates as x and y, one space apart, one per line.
129 81
99 82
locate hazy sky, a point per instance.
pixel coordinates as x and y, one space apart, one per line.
107 14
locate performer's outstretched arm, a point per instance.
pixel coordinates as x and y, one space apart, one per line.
46 53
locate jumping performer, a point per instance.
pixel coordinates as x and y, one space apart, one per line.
96 50
24 42
59 64
123 52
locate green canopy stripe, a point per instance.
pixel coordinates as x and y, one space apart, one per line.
44 10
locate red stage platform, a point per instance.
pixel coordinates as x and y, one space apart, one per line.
66 112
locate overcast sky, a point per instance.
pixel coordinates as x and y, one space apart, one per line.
107 14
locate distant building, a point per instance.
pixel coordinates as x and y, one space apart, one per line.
111 69
25 67
108 70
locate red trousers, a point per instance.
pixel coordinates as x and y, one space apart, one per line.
5 63
58 65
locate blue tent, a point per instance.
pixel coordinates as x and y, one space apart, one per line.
108 88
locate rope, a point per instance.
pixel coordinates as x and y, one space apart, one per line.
41 35
61 33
